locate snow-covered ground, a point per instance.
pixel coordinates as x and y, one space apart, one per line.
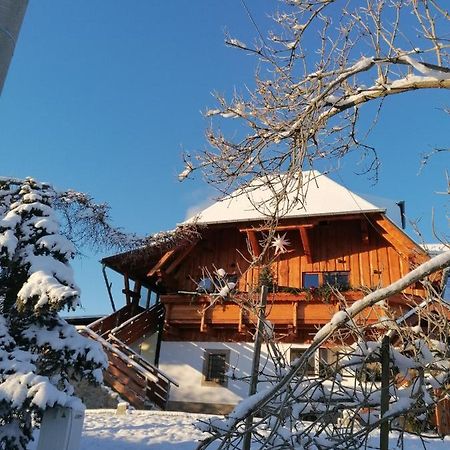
137 430
155 430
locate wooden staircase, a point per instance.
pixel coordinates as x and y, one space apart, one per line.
132 376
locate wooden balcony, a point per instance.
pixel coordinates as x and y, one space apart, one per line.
286 311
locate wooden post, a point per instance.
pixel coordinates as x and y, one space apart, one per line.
384 403
160 330
241 320
126 291
295 316
255 364
108 288
203 320
135 296
254 243
306 242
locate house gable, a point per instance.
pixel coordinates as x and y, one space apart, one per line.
369 247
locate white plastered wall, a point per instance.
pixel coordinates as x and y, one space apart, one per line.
183 361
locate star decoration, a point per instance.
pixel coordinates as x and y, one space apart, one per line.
279 243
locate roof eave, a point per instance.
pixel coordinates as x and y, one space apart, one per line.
296 216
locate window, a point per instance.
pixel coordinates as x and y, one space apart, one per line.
310 280
325 362
343 358
210 285
319 363
296 353
205 286
215 367
232 278
339 280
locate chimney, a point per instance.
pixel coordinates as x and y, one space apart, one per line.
401 205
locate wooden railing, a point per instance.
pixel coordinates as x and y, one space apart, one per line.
128 373
145 323
157 386
104 325
284 310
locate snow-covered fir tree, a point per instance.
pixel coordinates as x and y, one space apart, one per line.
40 353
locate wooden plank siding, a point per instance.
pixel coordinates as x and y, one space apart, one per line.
336 245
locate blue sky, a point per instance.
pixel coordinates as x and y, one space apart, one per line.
104 96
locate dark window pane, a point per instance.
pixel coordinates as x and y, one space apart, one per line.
205 286
232 278
338 280
310 280
216 368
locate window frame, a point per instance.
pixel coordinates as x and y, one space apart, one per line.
214 382
311 274
337 274
322 278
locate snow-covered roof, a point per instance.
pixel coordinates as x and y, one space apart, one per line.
314 195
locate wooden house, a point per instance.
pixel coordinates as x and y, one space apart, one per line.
184 331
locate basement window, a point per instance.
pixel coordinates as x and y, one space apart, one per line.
215 367
295 353
318 363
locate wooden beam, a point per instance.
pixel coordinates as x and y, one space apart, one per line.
277 228
168 311
303 222
364 232
203 327
163 260
400 241
254 244
136 296
295 316
176 262
241 320
306 243
130 294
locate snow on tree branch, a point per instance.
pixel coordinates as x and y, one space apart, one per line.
317 69
323 61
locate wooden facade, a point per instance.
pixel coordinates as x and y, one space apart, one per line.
361 246
368 250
